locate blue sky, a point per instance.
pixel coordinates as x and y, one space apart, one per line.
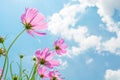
91 29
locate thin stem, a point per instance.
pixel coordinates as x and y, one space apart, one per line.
33 75
15 40
20 75
9 50
32 70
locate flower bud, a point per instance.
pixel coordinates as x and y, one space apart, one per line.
15 77
1 39
2 51
34 58
21 56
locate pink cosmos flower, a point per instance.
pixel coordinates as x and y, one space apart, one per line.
0 71
33 21
45 58
54 75
42 71
60 47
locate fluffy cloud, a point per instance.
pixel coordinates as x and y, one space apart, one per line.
112 75
112 45
106 9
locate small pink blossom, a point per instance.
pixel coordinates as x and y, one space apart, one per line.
42 71
33 21
54 75
45 58
60 47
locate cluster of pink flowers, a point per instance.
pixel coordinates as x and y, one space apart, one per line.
45 62
33 21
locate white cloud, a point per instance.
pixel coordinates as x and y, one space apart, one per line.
112 45
112 74
89 60
106 9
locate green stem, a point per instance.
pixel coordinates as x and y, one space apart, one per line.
9 50
15 40
34 72
20 75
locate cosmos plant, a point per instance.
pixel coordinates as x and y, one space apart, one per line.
44 62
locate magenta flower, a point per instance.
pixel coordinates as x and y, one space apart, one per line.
60 47
42 71
33 21
45 58
54 75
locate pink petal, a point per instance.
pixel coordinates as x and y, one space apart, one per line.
49 56
63 46
61 41
45 51
63 51
38 33
30 32
58 52
38 19
55 62
31 14
40 26
37 54
23 18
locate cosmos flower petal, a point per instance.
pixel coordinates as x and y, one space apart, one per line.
37 54
61 41
30 14
55 62
30 32
38 33
39 18
63 46
39 26
63 51
58 52
49 56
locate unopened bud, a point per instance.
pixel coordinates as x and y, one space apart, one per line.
15 77
2 51
34 58
21 56
1 39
